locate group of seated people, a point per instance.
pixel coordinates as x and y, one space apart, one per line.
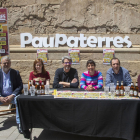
66 77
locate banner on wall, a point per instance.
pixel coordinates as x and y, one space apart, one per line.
4 42
43 54
75 55
108 54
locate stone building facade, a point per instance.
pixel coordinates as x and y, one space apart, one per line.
99 18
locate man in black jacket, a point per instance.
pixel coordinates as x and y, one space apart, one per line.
10 85
66 77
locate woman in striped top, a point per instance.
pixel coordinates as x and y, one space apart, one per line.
91 79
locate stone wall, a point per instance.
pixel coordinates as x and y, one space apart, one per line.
104 18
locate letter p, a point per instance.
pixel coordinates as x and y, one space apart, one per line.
23 40
62 41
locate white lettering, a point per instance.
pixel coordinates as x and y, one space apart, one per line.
117 40
70 39
51 44
108 40
23 39
37 41
57 39
61 39
100 41
82 40
92 39
128 42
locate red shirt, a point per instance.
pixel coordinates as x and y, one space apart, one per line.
39 77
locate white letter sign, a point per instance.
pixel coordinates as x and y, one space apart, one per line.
57 39
61 39
23 41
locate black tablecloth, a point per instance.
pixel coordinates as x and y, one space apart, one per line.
89 117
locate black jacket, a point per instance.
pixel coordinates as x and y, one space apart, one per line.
61 75
16 82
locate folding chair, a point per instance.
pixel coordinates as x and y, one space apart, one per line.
8 111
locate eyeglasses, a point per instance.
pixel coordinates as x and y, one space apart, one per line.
67 63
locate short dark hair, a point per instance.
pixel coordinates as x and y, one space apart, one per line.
90 61
114 58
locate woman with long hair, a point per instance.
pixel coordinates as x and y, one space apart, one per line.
39 73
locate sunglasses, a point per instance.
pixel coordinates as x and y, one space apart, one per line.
67 63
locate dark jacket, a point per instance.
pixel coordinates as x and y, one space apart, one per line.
16 82
61 75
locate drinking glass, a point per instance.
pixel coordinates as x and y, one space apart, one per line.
32 91
127 91
112 91
111 84
47 89
106 90
25 88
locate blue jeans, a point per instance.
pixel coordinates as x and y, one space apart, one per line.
14 101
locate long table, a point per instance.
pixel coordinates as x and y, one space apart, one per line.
87 117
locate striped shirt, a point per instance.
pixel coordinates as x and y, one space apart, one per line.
96 80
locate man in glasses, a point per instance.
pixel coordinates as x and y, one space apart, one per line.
10 86
66 77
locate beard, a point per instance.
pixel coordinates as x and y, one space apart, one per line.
67 68
5 69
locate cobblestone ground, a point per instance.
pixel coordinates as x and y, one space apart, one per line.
8 128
